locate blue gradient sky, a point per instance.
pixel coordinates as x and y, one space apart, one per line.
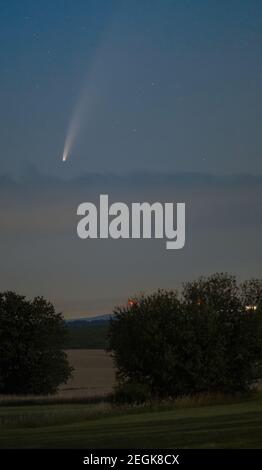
173 93
170 83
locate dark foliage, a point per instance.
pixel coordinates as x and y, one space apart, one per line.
204 341
131 393
32 336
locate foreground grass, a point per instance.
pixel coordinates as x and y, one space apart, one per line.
231 425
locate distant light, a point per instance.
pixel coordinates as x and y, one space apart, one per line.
250 307
131 302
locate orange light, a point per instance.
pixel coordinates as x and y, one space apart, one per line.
250 307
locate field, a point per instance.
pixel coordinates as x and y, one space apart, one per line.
89 336
94 375
79 417
232 425
62 422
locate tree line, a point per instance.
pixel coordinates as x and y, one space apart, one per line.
205 338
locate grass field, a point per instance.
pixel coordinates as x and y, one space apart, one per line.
232 425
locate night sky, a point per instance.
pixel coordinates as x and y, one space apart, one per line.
171 111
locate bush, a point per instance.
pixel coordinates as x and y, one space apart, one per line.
32 335
131 393
203 342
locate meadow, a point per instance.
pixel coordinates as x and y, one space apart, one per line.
182 424
79 416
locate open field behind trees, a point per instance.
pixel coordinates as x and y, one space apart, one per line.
94 375
228 425
219 423
89 336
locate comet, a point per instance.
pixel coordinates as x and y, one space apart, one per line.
70 138
74 127
88 96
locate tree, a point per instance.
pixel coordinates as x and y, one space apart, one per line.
251 293
32 335
220 290
204 341
141 339
238 315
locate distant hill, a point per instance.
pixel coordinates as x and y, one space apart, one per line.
87 320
